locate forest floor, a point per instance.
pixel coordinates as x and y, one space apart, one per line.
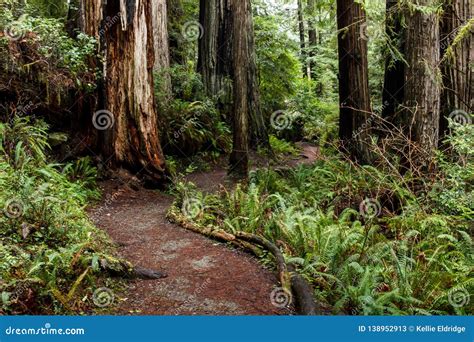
204 277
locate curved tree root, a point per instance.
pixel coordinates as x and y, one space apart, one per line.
289 278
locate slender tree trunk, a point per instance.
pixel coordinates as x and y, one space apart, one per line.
312 38
457 66
353 80
302 32
240 62
422 86
161 44
393 90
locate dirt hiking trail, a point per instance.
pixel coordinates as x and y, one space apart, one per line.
204 277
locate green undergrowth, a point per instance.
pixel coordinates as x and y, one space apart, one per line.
49 249
371 242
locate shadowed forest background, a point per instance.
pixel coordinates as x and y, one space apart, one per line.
237 157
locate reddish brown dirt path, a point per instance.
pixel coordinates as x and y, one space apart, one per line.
204 277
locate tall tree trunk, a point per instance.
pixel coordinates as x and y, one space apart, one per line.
457 66
302 32
312 38
353 80
422 86
132 138
394 81
240 64
216 59
258 127
161 44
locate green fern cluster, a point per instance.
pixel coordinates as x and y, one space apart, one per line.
409 254
47 243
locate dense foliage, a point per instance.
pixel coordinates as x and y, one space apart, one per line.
49 248
370 241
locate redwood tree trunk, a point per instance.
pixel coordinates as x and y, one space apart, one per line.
393 90
214 46
216 59
161 44
458 73
133 140
422 87
240 66
353 80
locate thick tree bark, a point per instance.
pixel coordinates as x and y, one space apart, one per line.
214 46
458 73
394 81
216 60
239 161
161 44
422 86
353 80
127 120
132 139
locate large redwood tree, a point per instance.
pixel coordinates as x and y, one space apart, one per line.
127 120
354 94
422 83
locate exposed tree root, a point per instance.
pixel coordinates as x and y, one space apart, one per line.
124 269
290 280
